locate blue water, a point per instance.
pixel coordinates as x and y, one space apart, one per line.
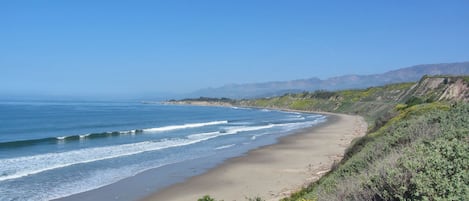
51 150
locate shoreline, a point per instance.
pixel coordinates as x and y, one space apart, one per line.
274 171
144 184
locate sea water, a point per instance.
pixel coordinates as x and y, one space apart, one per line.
51 150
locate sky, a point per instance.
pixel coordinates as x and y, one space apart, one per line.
92 48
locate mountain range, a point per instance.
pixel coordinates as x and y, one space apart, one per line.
267 89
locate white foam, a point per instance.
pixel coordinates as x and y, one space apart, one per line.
315 116
296 125
12 168
92 180
128 132
83 136
287 126
294 118
225 146
208 135
291 112
61 137
239 129
184 126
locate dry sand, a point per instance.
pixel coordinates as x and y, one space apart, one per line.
273 172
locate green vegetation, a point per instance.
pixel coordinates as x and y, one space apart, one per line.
206 198
466 78
421 154
255 199
370 103
417 147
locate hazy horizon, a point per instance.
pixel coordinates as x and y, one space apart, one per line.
133 50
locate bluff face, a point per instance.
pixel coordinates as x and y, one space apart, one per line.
442 88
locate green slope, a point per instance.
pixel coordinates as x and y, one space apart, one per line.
417 146
416 149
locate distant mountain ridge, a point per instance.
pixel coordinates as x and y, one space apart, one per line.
266 89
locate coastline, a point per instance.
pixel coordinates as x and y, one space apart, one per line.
274 171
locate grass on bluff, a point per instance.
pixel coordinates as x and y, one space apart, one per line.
370 103
421 154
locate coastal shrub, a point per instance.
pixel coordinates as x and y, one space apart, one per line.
400 107
321 94
439 170
305 104
414 101
299 194
255 199
356 146
422 154
400 158
206 198
262 103
382 120
432 170
466 79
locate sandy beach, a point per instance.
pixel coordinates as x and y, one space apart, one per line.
273 172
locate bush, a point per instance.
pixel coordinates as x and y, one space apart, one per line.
206 198
435 170
439 170
414 101
421 154
255 199
323 94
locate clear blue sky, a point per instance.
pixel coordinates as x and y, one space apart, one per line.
101 48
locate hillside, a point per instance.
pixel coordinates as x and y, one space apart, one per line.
269 89
417 146
371 102
416 149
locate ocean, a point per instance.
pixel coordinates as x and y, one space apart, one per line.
51 150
